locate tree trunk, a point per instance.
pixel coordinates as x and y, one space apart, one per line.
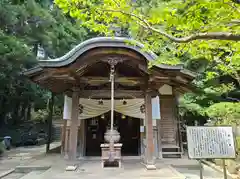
16 113
29 108
23 111
3 111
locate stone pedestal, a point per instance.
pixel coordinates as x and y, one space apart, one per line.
106 152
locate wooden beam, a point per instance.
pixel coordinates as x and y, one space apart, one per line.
75 76
98 94
49 73
65 77
99 80
181 79
124 80
43 76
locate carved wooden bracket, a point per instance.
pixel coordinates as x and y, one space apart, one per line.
113 61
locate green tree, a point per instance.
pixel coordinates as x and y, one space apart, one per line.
204 29
25 26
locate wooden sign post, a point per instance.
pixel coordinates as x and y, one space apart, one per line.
210 142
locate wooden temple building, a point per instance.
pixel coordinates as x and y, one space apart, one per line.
147 130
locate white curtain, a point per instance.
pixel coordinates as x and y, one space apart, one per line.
91 108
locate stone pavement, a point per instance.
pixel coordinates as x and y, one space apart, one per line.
22 156
91 169
132 169
190 168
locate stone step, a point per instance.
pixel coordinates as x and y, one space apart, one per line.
31 175
45 175
27 169
57 133
171 153
13 175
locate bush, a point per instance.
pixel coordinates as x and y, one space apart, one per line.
225 113
40 115
238 144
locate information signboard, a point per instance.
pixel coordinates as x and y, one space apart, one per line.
210 142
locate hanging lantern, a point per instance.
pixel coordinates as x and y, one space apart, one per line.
80 108
100 102
123 116
142 108
102 116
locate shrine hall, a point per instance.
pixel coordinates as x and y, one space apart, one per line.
114 100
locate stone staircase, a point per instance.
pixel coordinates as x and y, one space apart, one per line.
57 130
169 129
57 133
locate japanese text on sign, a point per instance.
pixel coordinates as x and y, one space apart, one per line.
210 142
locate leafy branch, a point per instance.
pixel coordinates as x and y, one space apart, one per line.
198 36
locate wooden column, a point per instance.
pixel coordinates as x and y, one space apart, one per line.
177 116
74 125
66 148
150 163
81 138
159 138
63 137
50 116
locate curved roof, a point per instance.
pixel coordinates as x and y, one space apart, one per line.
97 42
87 45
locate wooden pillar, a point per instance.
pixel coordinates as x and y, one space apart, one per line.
74 125
159 138
82 130
50 123
66 148
177 116
84 137
150 163
81 138
142 139
63 137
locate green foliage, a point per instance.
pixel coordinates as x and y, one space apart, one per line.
238 144
162 25
188 103
225 113
157 23
25 26
40 115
